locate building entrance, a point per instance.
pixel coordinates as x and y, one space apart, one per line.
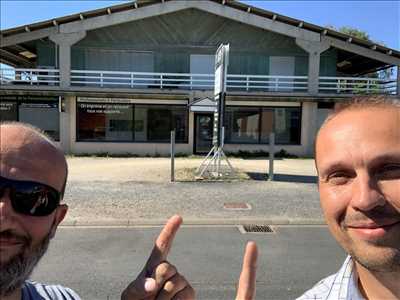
203 133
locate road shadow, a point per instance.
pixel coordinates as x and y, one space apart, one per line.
283 177
259 158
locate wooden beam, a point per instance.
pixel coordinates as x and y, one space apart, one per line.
351 47
158 9
17 58
21 48
27 36
7 62
109 11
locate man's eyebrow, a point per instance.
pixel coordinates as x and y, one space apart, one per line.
339 165
336 165
387 157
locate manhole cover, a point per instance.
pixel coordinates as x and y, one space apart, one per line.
237 206
253 228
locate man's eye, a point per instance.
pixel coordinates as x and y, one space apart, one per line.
338 178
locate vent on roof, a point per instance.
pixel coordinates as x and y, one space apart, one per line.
253 228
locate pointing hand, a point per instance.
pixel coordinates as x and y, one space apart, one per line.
247 281
159 279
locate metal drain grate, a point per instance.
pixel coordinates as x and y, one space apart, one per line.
253 228
237 206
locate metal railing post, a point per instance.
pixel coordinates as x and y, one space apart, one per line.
172 155
271 156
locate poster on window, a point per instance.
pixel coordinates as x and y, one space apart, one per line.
98 108
8 111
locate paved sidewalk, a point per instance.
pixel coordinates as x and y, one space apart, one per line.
133 191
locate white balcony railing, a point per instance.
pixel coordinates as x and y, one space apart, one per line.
357 85
186 81
273 83
29 76
141 79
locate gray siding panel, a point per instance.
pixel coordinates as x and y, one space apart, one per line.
173 37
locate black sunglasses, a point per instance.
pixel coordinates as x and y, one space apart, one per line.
29 197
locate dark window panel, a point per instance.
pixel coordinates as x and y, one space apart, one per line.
44 115
8 111
104 122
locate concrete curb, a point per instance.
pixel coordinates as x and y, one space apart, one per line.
190 221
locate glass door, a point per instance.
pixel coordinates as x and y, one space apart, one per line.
203 133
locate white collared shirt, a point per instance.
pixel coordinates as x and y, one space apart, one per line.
37 291
340 286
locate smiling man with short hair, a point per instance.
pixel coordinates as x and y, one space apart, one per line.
33 174
32 180
358 163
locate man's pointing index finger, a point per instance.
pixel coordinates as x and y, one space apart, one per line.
247 280
163 243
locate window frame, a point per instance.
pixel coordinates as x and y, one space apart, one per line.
133 141
260 108
18 100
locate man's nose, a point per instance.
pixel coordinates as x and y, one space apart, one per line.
5 204
366 194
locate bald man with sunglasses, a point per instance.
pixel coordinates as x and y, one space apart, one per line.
33 175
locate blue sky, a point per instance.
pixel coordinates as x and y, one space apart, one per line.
381 19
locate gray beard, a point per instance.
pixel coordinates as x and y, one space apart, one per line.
16 271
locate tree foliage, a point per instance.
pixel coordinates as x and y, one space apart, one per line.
354 32
363 35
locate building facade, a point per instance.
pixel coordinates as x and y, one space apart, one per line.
117 80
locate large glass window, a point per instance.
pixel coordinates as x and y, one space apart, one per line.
42 115
287 125
153 123
8 111
254 125
41 112
131 122
105 122
267 124
242 124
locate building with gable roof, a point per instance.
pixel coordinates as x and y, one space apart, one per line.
119 79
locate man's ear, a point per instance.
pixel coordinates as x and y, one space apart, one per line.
61 211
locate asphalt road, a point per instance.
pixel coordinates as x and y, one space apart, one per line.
99 262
